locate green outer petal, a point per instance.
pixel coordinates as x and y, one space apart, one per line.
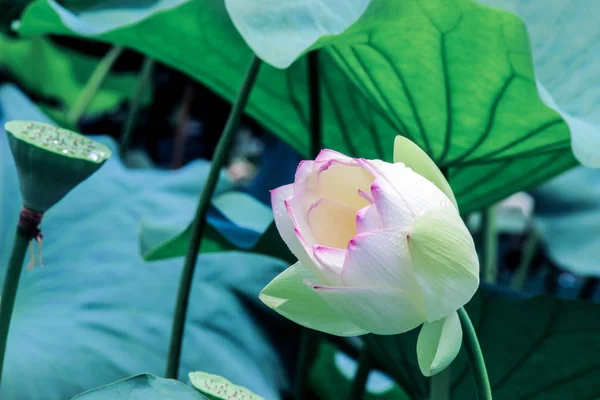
411 155
444 260
438 344
290 296
382 311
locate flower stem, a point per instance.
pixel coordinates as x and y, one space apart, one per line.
9 290
490 244
134 104
357 390
199 222
482 382
309 344
93 84
440 386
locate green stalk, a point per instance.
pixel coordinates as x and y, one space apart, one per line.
93 84
527 254
187 273
357 390
135 103
482 382
9 290
489 249
439 388
309 343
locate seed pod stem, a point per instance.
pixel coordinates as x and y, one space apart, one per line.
27 230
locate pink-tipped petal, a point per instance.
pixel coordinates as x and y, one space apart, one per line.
392 209
380 259
297 212
367 219
283 221
331 259
370 166
333 224
327 154
305 168
402 194
291 235
376 310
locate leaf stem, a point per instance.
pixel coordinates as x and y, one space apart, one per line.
199 223
9 290
134 104
440 386
482 382
528 251
365 363
489 249
93 84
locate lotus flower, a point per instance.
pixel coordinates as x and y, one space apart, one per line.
381 249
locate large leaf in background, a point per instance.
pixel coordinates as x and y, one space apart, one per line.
566 53
57 73
534 348
236 221
96 313
279 31
143 387
567 216
456 77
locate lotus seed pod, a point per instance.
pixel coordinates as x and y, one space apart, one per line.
51 161
216 387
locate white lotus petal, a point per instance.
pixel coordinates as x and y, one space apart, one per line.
376 310
380 259
330 258
367 219
438 344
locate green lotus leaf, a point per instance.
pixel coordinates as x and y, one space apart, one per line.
534 347
454 77
142 387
